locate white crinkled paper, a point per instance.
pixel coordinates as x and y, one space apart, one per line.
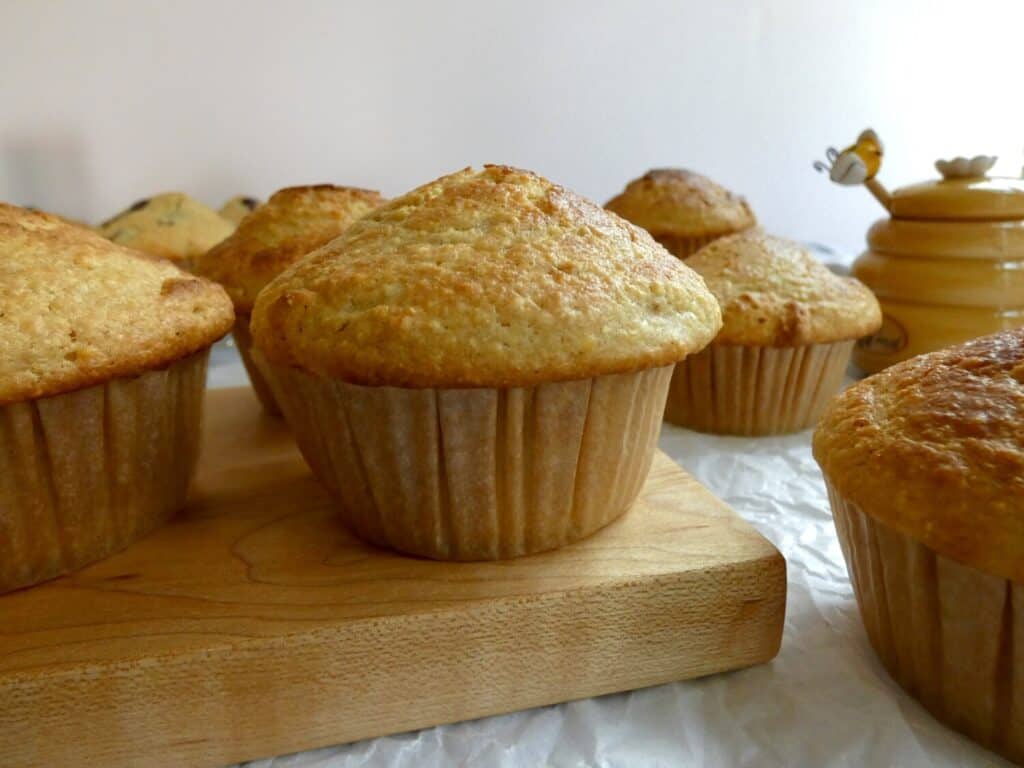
824 701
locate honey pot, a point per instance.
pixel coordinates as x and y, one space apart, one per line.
947 265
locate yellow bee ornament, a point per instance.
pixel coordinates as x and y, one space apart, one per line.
857 164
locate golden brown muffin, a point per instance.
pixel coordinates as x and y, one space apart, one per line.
237 208
774 293
65 219
935 449
789 325
925 468
295 221
476 370
490 278
683 210
171 225
102 368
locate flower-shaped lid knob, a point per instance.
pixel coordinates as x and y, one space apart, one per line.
965 167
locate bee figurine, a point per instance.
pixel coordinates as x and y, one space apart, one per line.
857 164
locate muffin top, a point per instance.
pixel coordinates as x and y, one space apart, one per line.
934 448
485 278
170 225
774 293
77 310
293 222
675 201
237 208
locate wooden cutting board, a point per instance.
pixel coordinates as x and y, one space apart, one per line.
255 625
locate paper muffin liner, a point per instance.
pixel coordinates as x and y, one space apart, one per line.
951 635
738 390
84 474
685 246
243 340
477 474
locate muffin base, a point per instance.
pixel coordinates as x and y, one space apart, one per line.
243 340
736 390
477 474
683 246
950 635
84 474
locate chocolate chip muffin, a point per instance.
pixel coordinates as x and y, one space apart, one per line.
171 225
237 208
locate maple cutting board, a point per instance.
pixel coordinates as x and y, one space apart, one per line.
255 625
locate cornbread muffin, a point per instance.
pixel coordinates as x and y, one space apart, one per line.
476 370
683 210
292 223
789 326
237 208
171 225
65 219
924 465
102 368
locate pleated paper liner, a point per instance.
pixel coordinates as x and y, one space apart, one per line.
951 635
243 340
685 246
737 390
477 474
84 474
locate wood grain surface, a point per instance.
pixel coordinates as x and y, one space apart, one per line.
255 625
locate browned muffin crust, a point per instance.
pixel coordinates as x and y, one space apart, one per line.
293 222
775 293
484 278
678 202
934 448
77 310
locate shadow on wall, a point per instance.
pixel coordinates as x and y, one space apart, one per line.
47 172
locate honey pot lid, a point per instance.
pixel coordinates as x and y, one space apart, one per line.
964 192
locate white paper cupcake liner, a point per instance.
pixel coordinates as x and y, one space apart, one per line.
951 635
477 474
243 340
85 473
738 390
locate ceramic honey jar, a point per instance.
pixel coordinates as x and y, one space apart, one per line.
947 265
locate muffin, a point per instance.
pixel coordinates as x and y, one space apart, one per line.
102 369
476 370
789 326
683 210
65 219
292 223
924 465
237 208
172 226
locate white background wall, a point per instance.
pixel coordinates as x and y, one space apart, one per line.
105 102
